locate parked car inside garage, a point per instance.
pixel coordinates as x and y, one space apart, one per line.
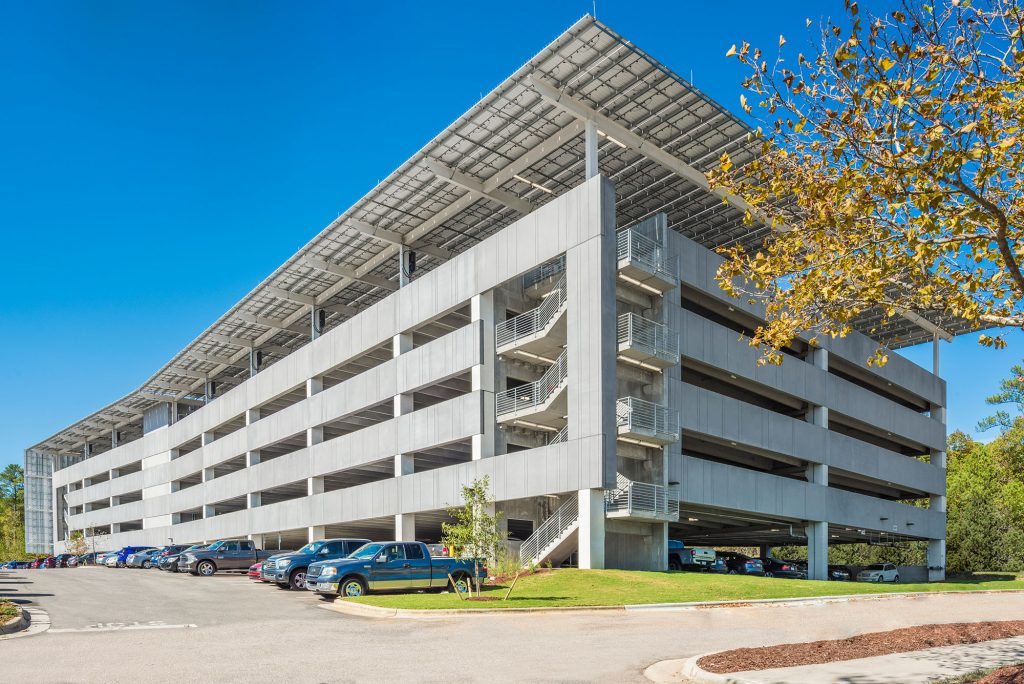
784 569
879 572
741 564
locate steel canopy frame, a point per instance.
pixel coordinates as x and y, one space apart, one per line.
513 151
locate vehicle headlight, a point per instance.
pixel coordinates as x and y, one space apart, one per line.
284 563
328 572
189 557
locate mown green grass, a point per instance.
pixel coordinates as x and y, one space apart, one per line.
568 587
8 610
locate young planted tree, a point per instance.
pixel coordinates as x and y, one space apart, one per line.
475 533
77 544
890 171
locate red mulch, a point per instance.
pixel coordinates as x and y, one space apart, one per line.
1004 675
863 646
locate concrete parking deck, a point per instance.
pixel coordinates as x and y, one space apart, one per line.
114 625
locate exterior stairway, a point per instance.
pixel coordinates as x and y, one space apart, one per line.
542 403
640 501
556 538
538 334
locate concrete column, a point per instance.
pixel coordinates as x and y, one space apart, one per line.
482 375
252 457
113 473
207 438
817 550
403 267
113 439
251 416
403 404
404 465
209 511
817 474
316 533
936 560
115 528
590 141
208 474
254 500
257 540
314 386
937 547
405 527
314 485
591 531
314 323
115 501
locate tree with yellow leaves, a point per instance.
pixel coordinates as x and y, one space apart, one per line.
891 171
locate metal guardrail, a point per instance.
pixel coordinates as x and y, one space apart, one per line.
654 338
645 417
561 436
532 321
535 393
550 530
646 254
639 498
543 272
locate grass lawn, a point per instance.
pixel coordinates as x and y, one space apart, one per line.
8 610
570 587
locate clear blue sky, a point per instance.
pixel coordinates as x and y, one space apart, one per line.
159 159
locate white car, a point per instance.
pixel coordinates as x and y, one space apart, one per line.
880 572
111 562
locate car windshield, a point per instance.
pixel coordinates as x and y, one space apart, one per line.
216 545
366 551
876 567
312 547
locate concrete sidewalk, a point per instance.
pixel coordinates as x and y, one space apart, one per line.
916 667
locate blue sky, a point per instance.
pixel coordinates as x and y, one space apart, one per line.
159 159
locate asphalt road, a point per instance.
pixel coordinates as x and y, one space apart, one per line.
111 625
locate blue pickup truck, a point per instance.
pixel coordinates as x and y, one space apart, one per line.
389 566
288 570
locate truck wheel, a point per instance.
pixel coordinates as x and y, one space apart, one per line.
352 587
463 584
206 568
297 580
675 565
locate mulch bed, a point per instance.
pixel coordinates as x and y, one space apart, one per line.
863 646
1004 675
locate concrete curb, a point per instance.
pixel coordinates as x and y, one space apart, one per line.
33 620
15 624
687 670
365 610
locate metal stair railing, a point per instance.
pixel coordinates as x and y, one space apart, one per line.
543 272
658 339
639 498
550 530
561 436
535 393
645 253
532 321
645 417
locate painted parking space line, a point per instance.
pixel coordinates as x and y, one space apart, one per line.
121 627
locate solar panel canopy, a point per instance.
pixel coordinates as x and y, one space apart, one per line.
512 152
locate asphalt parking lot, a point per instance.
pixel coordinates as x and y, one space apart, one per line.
121 625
